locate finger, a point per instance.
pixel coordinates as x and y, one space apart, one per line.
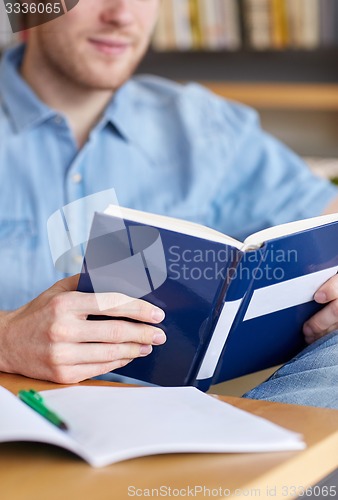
328 291
77 373
118 331
90 353
323 322
114 304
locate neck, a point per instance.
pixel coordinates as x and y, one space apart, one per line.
83 107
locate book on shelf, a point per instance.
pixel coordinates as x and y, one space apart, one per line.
309 26
210 24
294 19
279 28
164 35
232 308
256 24
182 24
257 15
327 28
230 24
102 428
196 24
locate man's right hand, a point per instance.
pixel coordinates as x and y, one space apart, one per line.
51 339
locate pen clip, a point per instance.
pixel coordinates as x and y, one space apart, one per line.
36 395
31 395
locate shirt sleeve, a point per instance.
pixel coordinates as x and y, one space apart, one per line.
265 183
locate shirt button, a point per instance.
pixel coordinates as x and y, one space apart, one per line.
77 178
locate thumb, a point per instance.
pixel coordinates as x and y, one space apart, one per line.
67 284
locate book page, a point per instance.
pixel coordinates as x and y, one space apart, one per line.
18 422
172 224
257 239
112 424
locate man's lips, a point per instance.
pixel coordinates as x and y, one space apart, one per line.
110 47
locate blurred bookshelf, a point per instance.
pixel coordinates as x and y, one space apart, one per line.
278 56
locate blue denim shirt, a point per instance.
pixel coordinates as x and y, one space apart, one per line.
165 148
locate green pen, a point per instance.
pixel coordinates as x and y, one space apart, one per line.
36 402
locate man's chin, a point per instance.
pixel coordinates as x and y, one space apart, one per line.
108 78
108 82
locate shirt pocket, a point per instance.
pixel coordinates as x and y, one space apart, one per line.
17 248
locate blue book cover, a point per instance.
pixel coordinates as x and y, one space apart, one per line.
231 308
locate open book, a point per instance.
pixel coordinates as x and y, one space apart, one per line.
102 427
232 308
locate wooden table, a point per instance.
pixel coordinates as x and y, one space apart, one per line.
30 471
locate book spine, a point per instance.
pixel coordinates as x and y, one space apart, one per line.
304 24
231 309
210 24
229 19
221 27
196 26
225 312
258 24
294 21
335 22
164 36
182 25
327 28
239 293
310 34
160 41
279 24
242 23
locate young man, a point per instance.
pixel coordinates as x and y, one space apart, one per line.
73 123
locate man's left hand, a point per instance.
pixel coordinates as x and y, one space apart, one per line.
326 320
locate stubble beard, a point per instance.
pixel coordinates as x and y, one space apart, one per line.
82 70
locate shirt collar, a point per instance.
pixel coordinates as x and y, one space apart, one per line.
23 105
131 103
121 112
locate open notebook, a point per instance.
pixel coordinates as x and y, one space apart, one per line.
109 424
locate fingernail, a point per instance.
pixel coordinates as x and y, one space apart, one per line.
145 350
159 338
158 315
320 297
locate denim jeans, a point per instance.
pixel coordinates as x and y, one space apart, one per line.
310 378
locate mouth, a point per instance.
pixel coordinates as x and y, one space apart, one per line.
110 47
